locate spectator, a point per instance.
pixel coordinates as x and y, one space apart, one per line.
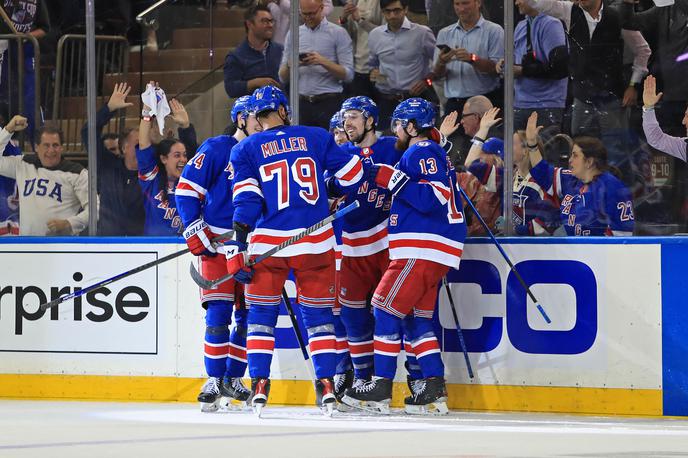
121 201
466 57
673 146
159 167
596 52
255 62
667 27
111 143
359 18
440 14
29 17
541 68
9 198
534 211
400 59
325 62
281 13
54 192
593 201
485 159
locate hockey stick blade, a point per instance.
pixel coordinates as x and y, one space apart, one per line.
128 273
212 284
198 278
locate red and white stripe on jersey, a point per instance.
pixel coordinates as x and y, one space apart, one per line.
208 296
386 303
341 345
408 349
352 304
432 247
426 346
320 241
555 189
338 257
351 173
150 175
441 191
216 350
260 344
237 352
359 349
247 185
252 299
322 344
387 347
186 187
316 301
423 313
364 243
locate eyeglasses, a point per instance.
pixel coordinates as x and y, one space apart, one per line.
266 21
393 10
465 115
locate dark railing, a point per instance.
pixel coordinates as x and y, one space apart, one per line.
69 103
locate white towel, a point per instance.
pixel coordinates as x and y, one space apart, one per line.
156 100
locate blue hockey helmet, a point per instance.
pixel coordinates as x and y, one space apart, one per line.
268 98
418 110
336 121
241 107
363 104
494 145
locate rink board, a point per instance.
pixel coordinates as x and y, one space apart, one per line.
616 344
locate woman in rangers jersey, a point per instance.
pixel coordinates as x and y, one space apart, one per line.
160 167
592 200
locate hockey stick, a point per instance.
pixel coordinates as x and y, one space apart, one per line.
128 273
212 284
458 327
297 331
506 258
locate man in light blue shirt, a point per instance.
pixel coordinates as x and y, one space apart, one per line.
469 52
326 62
400 59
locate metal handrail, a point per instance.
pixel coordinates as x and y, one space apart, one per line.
20 38
140 18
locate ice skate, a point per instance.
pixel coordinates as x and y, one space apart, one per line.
234 394
341 383
325 395
372 396
260 389
428 397
209 397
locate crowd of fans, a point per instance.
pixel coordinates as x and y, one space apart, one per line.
579 70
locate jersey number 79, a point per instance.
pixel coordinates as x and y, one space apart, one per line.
302 171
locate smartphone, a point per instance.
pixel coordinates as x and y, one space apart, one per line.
444 48
303 55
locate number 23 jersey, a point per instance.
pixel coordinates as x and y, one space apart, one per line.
279 186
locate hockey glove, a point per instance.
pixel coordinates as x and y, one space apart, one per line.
386 176
198 238
333 190
237 256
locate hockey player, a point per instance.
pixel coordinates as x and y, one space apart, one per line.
592 200
205 205
279 191
426 234
160 167
337 129
364 235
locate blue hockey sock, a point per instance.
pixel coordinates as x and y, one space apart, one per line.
427 348
342 346
260 340
321 339
217 318
387 343
359 324
236 363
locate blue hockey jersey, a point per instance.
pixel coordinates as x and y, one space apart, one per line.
279 186
161 214
426 220
602 207
205 187
9 198
365 232
534 211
